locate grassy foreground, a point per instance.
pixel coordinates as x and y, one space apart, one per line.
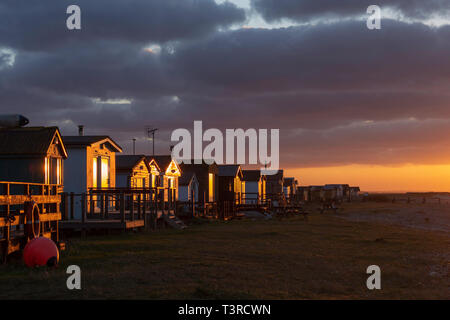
323 258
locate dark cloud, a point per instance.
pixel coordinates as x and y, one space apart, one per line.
339 93
38 25
310 10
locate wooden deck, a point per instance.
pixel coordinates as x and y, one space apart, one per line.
116 209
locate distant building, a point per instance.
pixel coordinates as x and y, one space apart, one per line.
315 193
354 193
132 171
32 154
253 186
230 183
274 185
303 194
290 187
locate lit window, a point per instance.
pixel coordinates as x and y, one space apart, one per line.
211 187
105 172
58 171
94 173
46 171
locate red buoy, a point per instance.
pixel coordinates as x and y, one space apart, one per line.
41 252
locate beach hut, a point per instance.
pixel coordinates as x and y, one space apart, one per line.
169 172
188 187
315 193
274 185
253 187
207 175
303 194
91 164
32 154
230 183
289 187
132 171
354 193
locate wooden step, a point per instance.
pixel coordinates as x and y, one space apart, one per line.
174 222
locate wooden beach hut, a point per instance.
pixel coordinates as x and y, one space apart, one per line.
169 173
274 185
91 165
253 187
230 183
188 187
208 176
133 171
289 187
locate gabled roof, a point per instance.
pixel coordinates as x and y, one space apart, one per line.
186 178
163 162
276 177
29 140
230 170
128 162
82 141
251 175
289 182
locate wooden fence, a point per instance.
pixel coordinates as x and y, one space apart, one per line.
116 208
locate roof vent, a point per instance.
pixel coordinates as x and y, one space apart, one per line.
80 130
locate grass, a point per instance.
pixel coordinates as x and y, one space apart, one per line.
323 258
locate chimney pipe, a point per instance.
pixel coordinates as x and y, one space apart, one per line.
80 130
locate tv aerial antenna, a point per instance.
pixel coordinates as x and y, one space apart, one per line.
151 135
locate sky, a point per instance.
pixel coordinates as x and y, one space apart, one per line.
365 107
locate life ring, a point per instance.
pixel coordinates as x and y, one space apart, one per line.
32 215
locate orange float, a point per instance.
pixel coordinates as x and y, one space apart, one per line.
41 252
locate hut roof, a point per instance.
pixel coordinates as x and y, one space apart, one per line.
186 178
128 162
162 161
276 177
29 140
251 175
232 170
288 182
82 141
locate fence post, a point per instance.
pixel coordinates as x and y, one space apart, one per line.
102 206
91 203
122 207
72 196
65 205
83 214
107 205
131 207
139 206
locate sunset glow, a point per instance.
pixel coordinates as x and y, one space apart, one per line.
411 178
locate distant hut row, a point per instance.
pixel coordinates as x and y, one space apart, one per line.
328 192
